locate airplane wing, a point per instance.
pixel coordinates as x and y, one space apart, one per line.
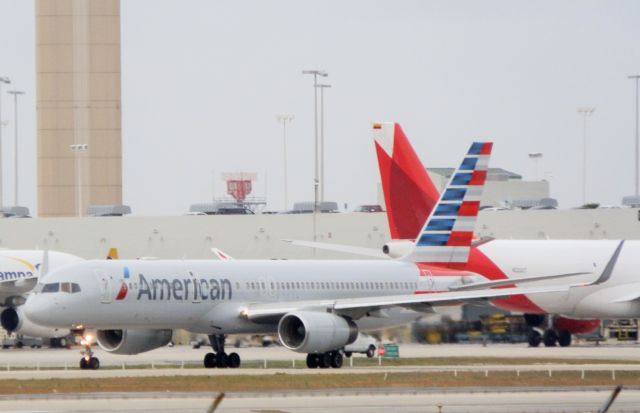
511 281
348 249
359 307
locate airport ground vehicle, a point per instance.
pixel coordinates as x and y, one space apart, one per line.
364 344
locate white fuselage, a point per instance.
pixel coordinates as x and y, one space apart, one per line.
618 297
209 296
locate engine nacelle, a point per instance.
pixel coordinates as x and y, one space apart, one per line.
14 321
315 332
132 341
397 249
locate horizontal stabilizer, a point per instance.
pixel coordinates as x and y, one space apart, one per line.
347 249
221 255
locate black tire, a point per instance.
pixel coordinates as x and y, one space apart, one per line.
371 351
564 338
324 360
222 360
312 361
19 344
210 360
535 338
94 363
336 360
83 363
234 360
348 354
549 338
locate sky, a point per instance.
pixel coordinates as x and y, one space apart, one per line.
203 82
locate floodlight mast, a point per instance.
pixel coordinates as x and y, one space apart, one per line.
316 180
15 94
584 112
5 80
637 151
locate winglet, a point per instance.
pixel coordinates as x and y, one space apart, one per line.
447 234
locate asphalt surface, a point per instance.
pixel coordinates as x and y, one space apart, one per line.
369 402
63 363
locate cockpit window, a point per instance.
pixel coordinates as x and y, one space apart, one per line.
75 288
65 287
51 288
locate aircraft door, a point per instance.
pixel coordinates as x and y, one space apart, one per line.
104 284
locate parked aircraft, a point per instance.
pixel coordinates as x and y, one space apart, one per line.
315 307
19 273
616 294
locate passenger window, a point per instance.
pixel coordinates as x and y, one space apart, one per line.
253 286
262 284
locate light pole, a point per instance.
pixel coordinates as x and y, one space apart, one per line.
585 112
7 81
15 94
322 88
316 182
536 156
78 149
284 119
636 77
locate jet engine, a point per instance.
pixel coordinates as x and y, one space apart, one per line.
397 249
132 341
316 332
14 321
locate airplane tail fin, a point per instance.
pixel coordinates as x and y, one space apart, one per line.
409 193
448 232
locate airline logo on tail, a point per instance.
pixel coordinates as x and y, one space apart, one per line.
447 235
409 193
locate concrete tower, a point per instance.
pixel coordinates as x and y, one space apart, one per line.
78 103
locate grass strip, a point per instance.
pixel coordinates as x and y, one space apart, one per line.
284 382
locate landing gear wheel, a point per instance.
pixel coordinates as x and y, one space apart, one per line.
234 360
371 351
312 361
549 338
84 363
209 360
94 363
324 360
336 359
564 338
535 338
222 360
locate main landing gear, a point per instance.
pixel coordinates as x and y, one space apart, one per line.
549 336
325 360
219 358
88 361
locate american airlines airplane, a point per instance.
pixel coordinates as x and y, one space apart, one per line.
19 273
315 307
615 294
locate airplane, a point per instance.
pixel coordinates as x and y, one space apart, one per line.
315 306
19 273
615 295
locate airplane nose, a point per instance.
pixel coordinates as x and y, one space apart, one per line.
38 310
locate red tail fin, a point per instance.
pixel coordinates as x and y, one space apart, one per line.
409 193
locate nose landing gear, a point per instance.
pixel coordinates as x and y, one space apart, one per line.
219 358
88 361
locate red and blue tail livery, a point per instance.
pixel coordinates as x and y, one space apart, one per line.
447 235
